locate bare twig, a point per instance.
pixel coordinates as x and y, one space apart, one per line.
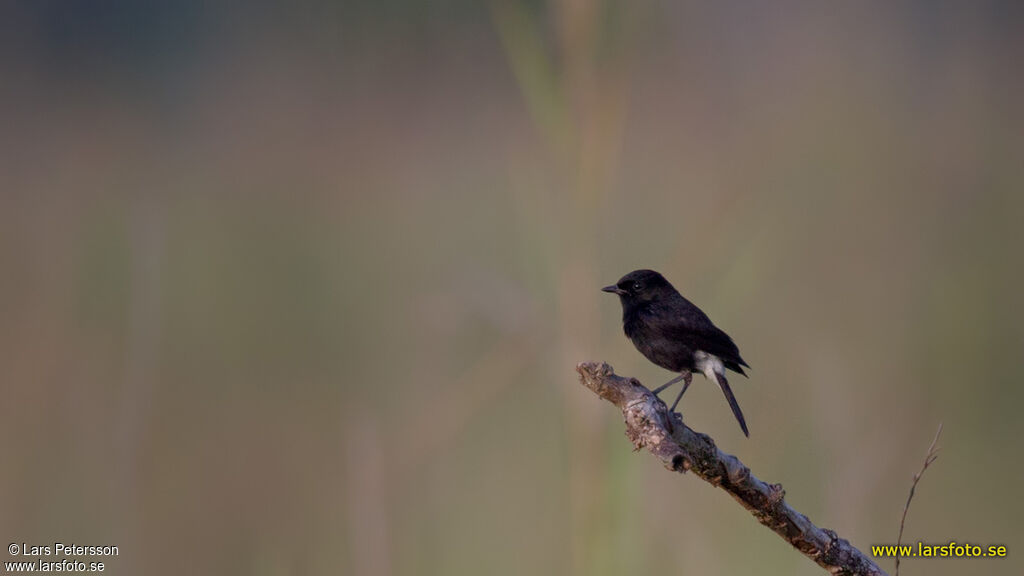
933 453
648 425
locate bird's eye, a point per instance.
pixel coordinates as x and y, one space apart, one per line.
637 287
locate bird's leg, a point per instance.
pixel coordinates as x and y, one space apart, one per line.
669 383
688 377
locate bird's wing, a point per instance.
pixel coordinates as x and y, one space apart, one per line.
692 326
714 341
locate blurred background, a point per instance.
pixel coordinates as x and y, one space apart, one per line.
301 289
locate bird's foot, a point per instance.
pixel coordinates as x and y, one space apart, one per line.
673 419
662 409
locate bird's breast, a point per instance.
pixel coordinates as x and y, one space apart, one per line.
670 354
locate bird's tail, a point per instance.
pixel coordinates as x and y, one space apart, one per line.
724 385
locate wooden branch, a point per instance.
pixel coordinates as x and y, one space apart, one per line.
681 449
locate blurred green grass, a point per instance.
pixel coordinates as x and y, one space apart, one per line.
301 291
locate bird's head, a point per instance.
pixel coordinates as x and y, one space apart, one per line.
641 286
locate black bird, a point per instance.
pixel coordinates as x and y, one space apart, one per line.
676 335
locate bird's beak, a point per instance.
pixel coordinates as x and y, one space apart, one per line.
613 289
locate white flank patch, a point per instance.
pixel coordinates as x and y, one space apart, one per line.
709 365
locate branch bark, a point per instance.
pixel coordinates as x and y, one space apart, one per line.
681 449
